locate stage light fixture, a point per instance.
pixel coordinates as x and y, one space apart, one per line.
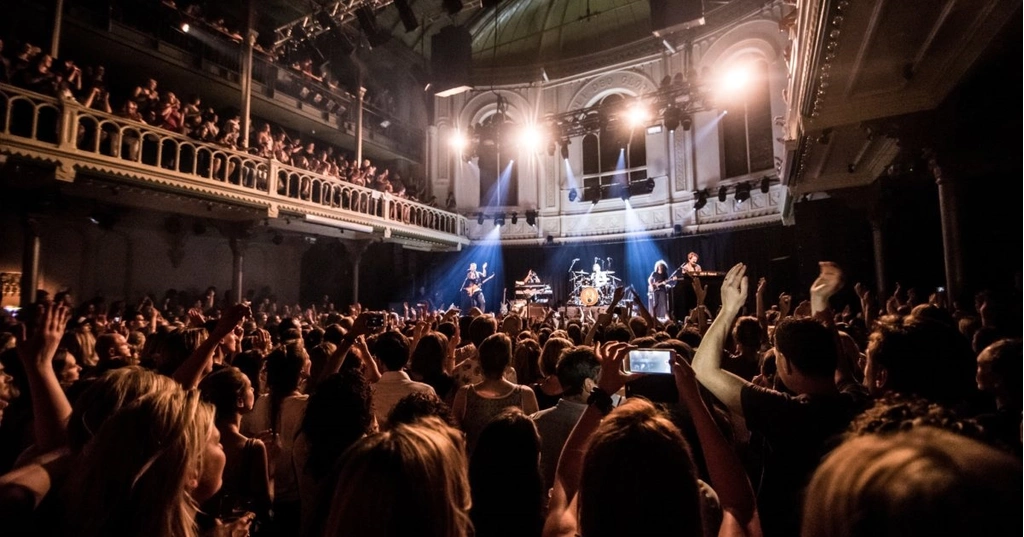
687 122
531 218
480 218
735 79
549 239
499 219
573 194
565 149
723 193
677 229
637 115
185 27
515 218
742 192
530 138
766 185
702 199
641 187
459 141
671 117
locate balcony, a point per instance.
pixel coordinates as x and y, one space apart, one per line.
75 139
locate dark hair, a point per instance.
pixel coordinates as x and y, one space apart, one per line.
574 367
481 328
417 405
575 333
746 331
428 358
808 345
447 328
284 374
618 332
337 415
611 464
1007 364
505 479
893 413
526 361
250 363
392 349
553 350
923 358
495 354
289 330
222 389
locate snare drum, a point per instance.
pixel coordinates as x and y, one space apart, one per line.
589 296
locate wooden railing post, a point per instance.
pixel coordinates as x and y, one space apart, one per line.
68 124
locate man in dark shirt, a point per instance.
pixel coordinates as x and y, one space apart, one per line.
795 429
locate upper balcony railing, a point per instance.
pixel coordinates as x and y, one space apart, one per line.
91 139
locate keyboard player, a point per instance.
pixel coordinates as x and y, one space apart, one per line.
691 263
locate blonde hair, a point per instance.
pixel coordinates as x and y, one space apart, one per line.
409 481
923 482
137 469
107 395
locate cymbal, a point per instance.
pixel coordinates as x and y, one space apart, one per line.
609 272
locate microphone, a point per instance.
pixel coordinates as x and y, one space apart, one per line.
575 260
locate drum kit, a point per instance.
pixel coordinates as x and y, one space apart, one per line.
593 289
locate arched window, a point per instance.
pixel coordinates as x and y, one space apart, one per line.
496 152
615 155
747 127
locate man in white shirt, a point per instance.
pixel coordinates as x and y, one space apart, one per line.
392 350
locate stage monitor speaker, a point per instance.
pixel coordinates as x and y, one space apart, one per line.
669 16
451 55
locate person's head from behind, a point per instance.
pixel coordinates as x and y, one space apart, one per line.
746 332
337 415
553 349
427 360
1000 370
105 396
526 361
504 476
287 366
639 456
409 481
480 328
495 355
804 349
919 483
229 391
148 467
418 405
392 349
577 371
920 357
618 332
113 351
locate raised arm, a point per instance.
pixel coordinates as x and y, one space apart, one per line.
605 318
739 505
192 370
49 404
707 362
762 316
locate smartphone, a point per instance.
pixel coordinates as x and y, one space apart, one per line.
649 361
375 321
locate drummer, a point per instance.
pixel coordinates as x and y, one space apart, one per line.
598 277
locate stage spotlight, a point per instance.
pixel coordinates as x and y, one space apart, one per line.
530 138
677 229
687 122
499 219
641 187
565 149
637 115
742 192
515 218
702 199
672 117
531 218
723 192
549 239
185 27
573 194
480 218
459 141
766 184
735 79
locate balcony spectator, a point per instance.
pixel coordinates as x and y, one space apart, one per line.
38 77
147 99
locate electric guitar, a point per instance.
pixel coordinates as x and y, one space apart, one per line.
664 283
504 304
472 288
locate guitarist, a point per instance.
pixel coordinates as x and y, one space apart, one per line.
472 295
657 290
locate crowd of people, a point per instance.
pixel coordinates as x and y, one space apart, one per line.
148 103
194 416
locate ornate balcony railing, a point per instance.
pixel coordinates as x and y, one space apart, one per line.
77 138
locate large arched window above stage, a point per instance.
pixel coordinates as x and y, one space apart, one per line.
496 151
615 155
747 126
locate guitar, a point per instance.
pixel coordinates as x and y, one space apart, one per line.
504 304
658 285
472 288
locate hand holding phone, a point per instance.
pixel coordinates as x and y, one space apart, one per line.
649 361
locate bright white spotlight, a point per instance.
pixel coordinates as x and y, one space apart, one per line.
637 115
459 141
530 138
184 27
735 79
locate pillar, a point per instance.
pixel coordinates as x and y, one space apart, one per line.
949 214
878 243
359 121
246 75
30 262
58 18
356 250
238 247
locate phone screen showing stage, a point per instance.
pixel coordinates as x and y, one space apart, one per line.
649 361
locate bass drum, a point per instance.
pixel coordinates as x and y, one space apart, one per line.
590 296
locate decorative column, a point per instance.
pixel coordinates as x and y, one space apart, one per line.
878 243
58 19
238 247
950 227
359 121
30 262
356 250
246 75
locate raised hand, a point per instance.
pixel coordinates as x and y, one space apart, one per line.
686 379
49 330
196 318
762 286
785 304
734 288
862 292
829 281
701 291
612 376
230 319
